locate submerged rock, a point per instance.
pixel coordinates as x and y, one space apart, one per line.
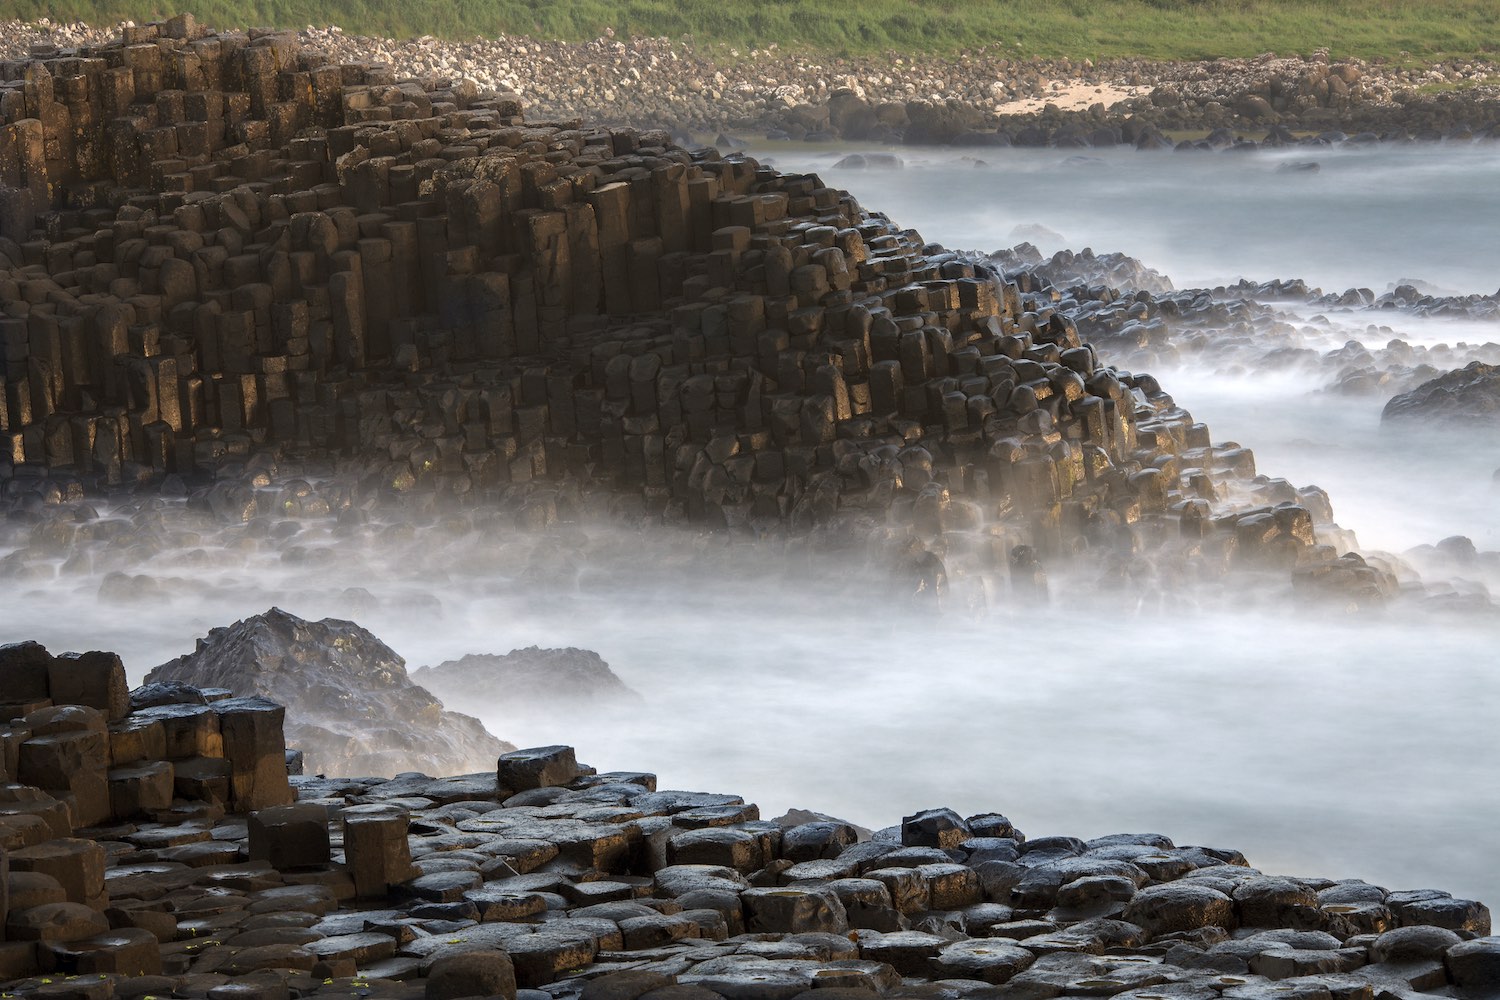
871 161
353 709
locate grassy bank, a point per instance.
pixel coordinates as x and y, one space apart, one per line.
1160 29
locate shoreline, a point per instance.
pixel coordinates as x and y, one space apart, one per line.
184 851
975 99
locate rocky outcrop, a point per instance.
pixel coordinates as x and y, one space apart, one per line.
528 681
354 710
317 272
1467 395
542 878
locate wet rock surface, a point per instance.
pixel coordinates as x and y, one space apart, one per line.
541 877
356 710
1467 395
780 361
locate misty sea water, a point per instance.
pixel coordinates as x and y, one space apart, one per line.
1315 744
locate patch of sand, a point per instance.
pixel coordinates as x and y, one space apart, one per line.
1072 95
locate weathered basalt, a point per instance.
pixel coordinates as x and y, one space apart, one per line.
1469 395
277 265
355 709
543 878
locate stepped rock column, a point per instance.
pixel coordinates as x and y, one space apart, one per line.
611 204
376 851
255 746
290 836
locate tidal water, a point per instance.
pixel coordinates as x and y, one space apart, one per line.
1316 744
1366 217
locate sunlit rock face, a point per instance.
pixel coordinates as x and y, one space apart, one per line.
354 710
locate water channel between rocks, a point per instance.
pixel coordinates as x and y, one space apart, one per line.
1316 745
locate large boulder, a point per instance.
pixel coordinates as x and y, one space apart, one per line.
937 123
529 681
351 708
1468 394
851 115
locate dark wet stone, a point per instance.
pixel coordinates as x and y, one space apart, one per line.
536 767
1277 902
908 952
623 985
444 887
977 850
1469 394
1351 892
1179 906
170 693
810 841
940 828
990 961
474 974
1287 963
666 803
993 825
1059 846
1475 965
678 880
1442 911
1410 944
793 911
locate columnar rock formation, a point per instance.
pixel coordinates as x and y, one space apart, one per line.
217 246
93 755
151 846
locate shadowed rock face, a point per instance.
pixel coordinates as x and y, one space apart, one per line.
353 710
529 680
1471 393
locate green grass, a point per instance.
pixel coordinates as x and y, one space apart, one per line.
1157 29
